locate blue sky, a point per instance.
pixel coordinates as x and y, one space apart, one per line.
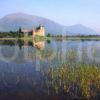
65 12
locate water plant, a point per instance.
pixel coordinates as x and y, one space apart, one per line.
80 81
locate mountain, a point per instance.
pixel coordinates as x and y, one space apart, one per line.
13 22
80 30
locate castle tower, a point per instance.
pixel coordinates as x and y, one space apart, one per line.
40 31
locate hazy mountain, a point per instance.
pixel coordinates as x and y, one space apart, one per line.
80 30
12 22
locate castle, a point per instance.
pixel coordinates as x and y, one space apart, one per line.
39 31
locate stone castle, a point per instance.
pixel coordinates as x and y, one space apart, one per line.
39 31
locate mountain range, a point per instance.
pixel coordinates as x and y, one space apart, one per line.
13 22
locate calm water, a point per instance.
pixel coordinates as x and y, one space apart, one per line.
22 66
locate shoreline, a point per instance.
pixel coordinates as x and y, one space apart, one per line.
54 38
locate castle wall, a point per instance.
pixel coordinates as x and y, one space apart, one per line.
33 33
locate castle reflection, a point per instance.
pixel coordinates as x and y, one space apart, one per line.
40 44
37 44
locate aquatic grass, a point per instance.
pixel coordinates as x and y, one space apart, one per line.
82 80
46 54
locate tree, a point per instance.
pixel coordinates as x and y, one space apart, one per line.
20 30
48 35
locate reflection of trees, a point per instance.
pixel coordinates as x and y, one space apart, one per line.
7 42
48 41
20 43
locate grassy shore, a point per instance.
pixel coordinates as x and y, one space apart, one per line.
38 38
76 38
29 38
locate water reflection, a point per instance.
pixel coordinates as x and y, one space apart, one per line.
56 52
39 44
53 70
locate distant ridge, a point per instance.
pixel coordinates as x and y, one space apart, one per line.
12 22
80 29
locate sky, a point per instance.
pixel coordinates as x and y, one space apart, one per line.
65 12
